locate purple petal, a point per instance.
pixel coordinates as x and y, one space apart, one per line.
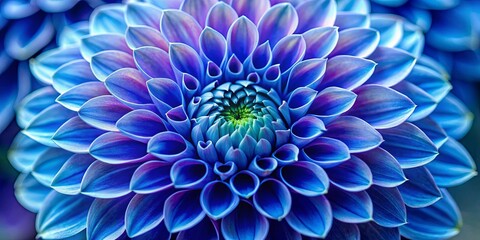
332 101
300 101
310 216
141 14
347 72
360 42
207 228
151 125
182 211
103 112
218 200
346 20
305 178
315 13
75 97
393 66
129 86
306 73
150 177
115 148
253 10
106 218
245 183
190 174
165 93
326 152
343 231
425 103
253 224
279 21
148 60
320 41
105 63
185 59
288 51
213 46
352 175
221 17
180 27
198 9
141 36
76 136
242 38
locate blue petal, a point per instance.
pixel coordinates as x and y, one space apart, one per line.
453 166
44 66
207 229
245 183
393 66
350 207
106 218
305 178
343 231
273 200
103 112
388 207
310 216
68 179
151 125
332 101
104 180
145 212
320 41
148 59
115 148
76 136
326 152
420 190
141 14
170 146
198 9
165 93
452 115
151 177
242 38
361 6
33 104
357 134
253 10
288 51
441 220
312 14
390 28
180 27
185 59
221 17
244 223
409 145
432 130
105 63
75 97
372 231
108 19
381 107
30 193
62 216
141 36
306 129
347 72
279 21
346 20
360 42
24 152
93 44
300 101
46 123
190 174
286 154
218 199
425 103
306 73
431 81
281 230
129 86
352 175
386 171
213 46
72 74
48 164
160 232
182 211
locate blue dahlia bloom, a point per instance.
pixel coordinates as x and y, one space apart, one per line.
243 119
451 30
26 27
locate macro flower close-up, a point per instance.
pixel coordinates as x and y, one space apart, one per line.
241 119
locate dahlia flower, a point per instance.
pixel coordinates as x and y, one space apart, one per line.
456 43
204 119
26 27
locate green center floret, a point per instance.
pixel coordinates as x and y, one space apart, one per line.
238 115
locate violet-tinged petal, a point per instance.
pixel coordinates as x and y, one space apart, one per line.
237 156
198 9
308 73
373 231
115 148
273 200
252 9
242 38
310 216
306 129
352 175
357 134
207 228
62 215
106 218
300 101
220 17
165 93
159 232
253 224
30 193
245 183
108 19
346 20
24 152
320 41
326 152
72 74
261 58
409 145
69 178
360 42
432 130
288 51
182 211
93 44
46 123
286 154
153 62
75 97
343 231
48 164
141 14
454 157
218 200
129 86
263 166
34 103
105 63
76 136
332 101
225 170
420 190
170 146
279 21
44 66
178 119
348 72
315 13
438 221
151 177
103 112
305 178
234 69
350 207
381 107
151 125
393 66
145 212
388 207
386 171
102 180
185 59
141 36
190 174
213 46
180 27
